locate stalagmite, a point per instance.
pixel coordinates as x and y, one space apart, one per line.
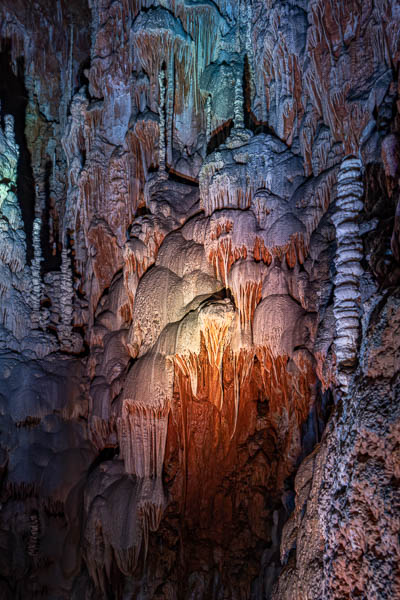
349 254
12 244
37 284
9 153
14 293
239 102
34 531
9 129
66 297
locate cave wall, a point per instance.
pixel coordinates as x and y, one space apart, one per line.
199 294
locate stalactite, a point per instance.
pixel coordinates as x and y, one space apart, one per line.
215 321
75 142
239 23
348 269
188 364
222 259
145 408
70 61
242 364
245 280
143 431
170 106
249 48
161 143
208 118
68 80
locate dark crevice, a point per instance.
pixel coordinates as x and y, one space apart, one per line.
289 495
82 79
81 331
313 429
250 120
141 211
311 435
14 101
219 136
247 94
262 127
70 243
179 178
107 453
50 249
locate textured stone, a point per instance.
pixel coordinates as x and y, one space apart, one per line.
199 308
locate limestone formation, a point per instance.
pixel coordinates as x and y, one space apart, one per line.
161 143
238 118
66 296
349 255
37 284
13 286
199 303
208 117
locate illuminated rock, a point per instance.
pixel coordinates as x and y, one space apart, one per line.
348 268
198 299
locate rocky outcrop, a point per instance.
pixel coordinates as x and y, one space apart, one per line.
341 539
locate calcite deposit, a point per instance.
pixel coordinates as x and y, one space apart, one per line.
199 299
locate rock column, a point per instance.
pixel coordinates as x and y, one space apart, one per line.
348 268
